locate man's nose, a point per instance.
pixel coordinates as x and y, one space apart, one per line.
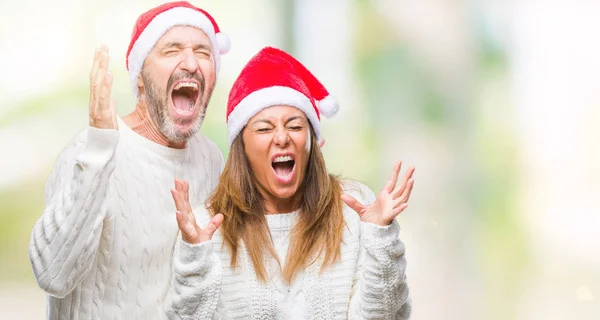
189 62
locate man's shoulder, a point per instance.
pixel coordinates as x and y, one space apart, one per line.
199 139
202 142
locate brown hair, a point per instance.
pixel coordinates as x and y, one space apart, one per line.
318 231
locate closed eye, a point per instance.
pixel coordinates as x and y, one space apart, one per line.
170 52
203 53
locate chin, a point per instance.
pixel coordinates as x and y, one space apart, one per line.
286 192
179 132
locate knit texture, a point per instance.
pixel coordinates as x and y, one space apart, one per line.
369 282
104 245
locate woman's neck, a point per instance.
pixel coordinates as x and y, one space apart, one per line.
277 206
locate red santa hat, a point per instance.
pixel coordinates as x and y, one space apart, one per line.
151 25
273 77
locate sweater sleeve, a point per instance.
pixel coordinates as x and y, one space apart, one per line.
65 239
380 290
195 289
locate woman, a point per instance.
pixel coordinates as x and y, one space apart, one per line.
279 243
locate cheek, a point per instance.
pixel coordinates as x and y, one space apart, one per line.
207 66
256 148
308 143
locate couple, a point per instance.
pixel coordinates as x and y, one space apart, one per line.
269 236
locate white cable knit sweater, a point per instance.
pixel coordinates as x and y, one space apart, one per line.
368 283
103 248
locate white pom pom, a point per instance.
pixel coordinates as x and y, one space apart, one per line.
223 43
328 106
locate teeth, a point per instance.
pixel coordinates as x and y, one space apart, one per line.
283 159
192 85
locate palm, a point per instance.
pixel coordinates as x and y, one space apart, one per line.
186 221
390 202
102 107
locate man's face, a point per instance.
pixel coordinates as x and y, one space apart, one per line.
177 81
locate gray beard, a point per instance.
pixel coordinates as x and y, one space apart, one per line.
157 103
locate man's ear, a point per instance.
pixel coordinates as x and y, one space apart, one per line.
140 83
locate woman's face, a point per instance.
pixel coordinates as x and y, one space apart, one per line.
277 145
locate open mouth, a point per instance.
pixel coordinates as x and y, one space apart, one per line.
283 166
184 97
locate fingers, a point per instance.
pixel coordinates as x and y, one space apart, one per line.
353 203
178 197
401 189
410 184
95 64
391 184
181 196
93 72
98 70
104 97
175 195
189 229
399 209
98 83
213 225
186 193
406 195
102 108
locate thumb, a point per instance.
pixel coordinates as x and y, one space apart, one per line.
214 224
353 203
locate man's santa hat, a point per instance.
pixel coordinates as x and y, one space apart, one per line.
151 25
273 77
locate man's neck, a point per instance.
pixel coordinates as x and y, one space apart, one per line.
140 122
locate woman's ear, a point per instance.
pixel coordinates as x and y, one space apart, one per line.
321 143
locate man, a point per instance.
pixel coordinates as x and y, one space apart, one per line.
103 247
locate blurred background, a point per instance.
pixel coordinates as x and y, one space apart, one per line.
496 103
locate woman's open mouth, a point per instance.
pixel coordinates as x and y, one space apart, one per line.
283 167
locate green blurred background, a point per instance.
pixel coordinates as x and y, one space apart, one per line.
495 102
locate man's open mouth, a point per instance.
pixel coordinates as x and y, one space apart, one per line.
185 96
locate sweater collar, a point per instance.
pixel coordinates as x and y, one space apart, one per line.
148 144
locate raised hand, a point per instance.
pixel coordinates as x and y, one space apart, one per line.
102 108
390 202
190 231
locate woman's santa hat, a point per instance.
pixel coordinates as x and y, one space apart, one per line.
151 25
271 78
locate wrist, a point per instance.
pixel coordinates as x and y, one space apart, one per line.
378 221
